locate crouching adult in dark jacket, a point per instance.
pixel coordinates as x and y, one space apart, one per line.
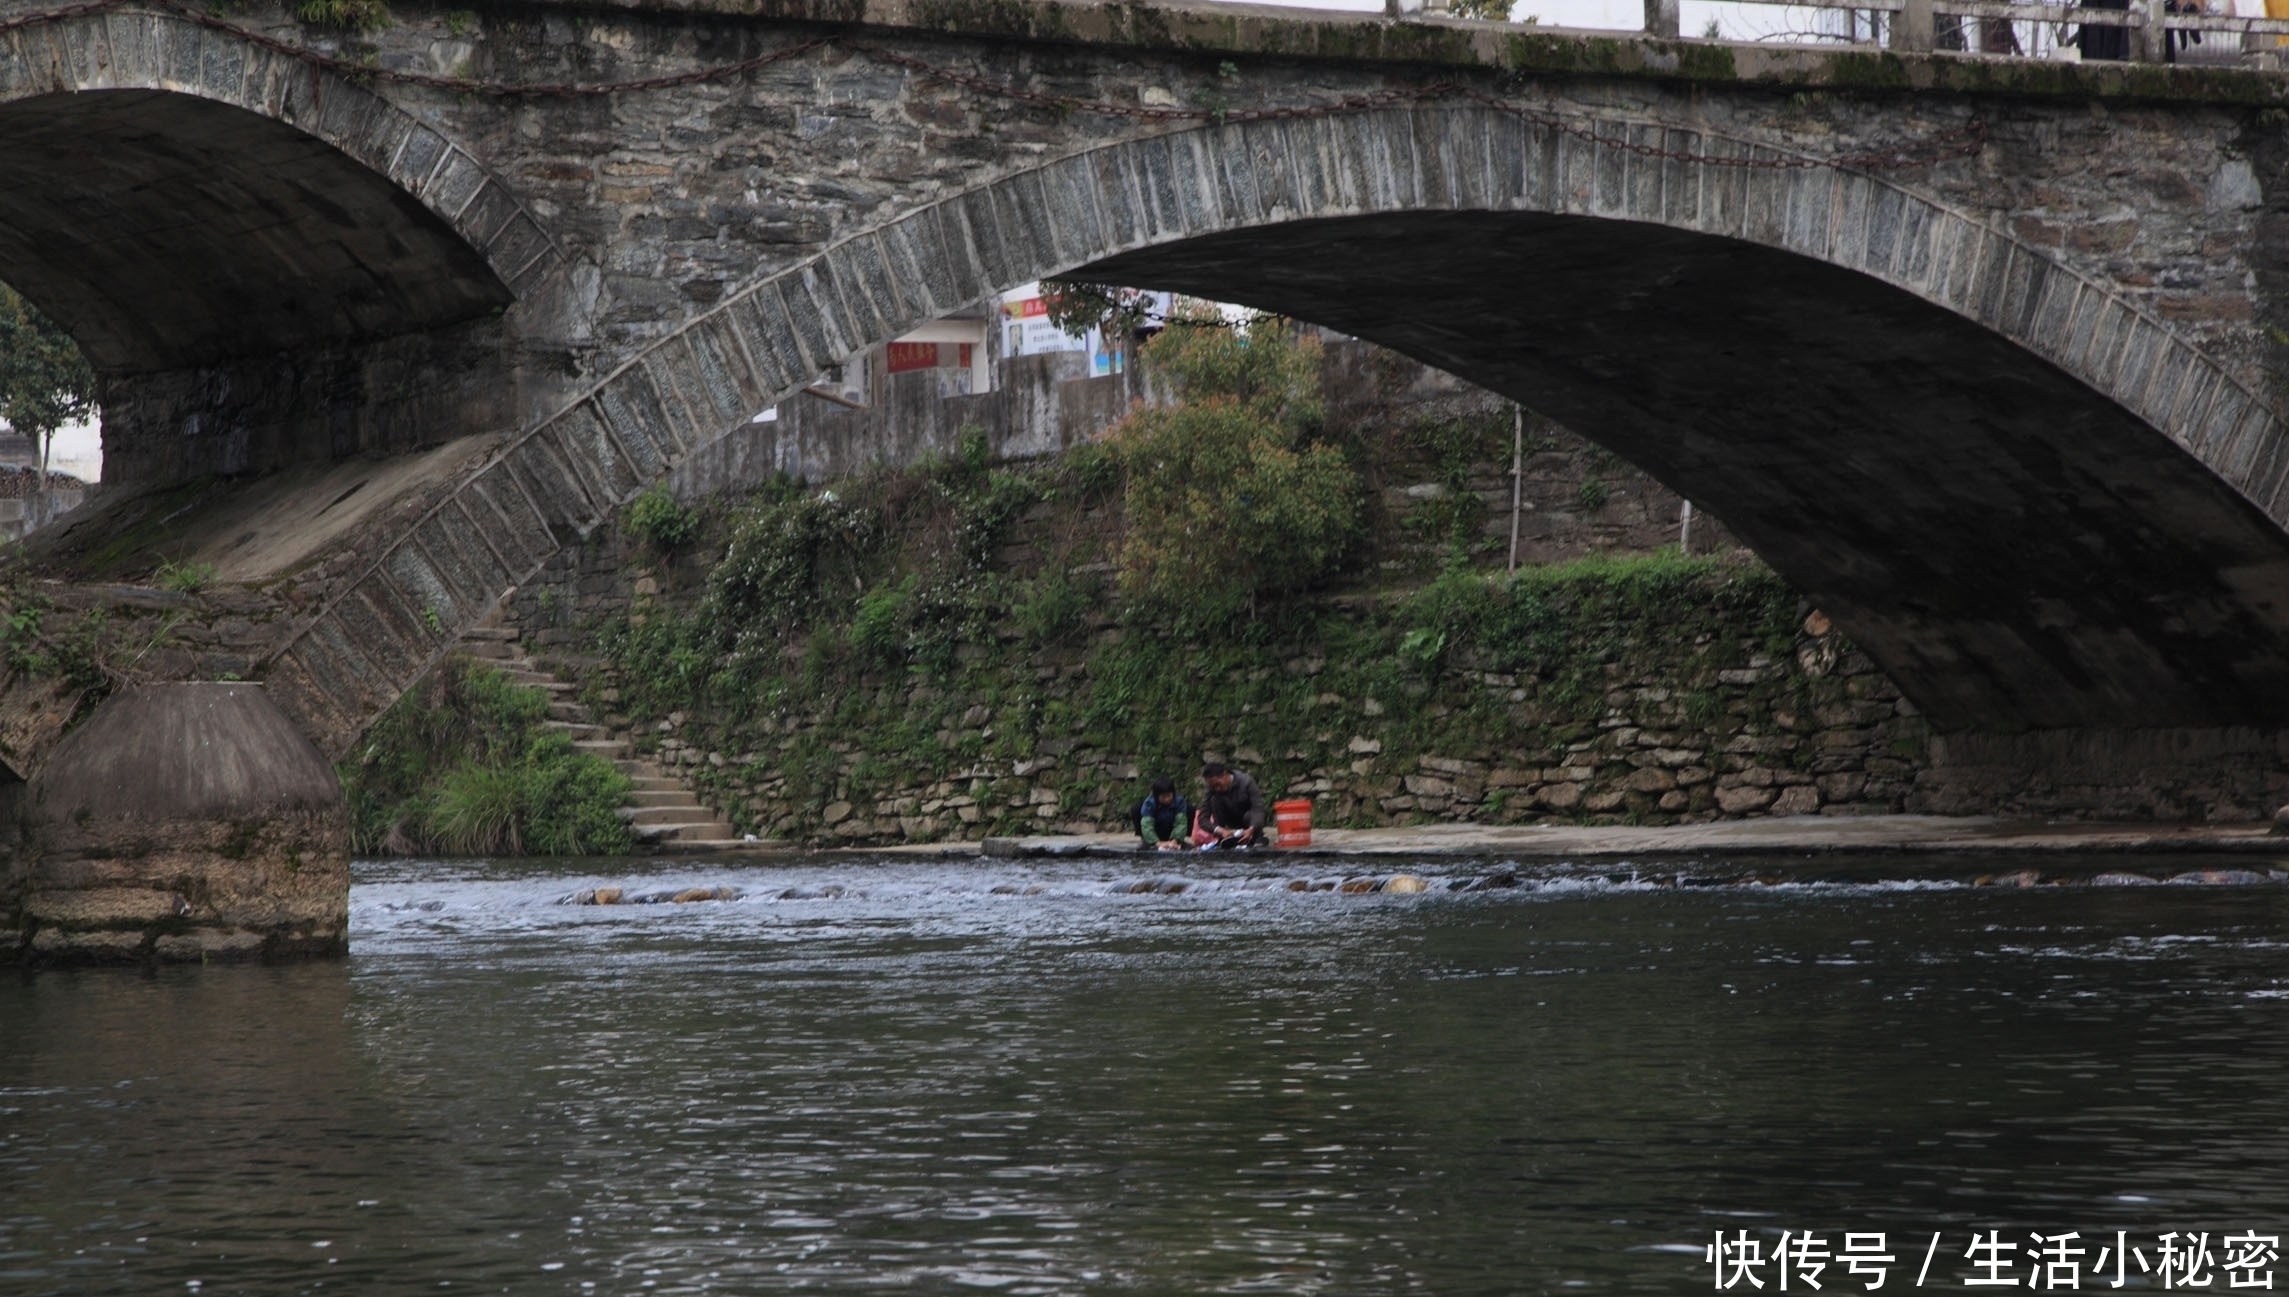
1232 814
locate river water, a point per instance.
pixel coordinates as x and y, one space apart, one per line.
1022 1077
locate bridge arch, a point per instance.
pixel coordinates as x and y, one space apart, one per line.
254 254
179 196
2074 519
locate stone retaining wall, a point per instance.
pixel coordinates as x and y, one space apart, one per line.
1818 732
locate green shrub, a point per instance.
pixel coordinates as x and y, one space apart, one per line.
878 626
658 521
972 452
1229 497
950 604
1268 368
476 810
1052 606
782 554
1553 618
1093 471
572 801
463 764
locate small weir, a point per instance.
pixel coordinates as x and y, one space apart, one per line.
764 885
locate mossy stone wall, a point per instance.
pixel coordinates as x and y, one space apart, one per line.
1730 711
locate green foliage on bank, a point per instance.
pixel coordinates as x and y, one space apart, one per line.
836 645
655 518
76 653
462 765
1232 494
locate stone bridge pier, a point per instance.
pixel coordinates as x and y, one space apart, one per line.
180 823
1982 355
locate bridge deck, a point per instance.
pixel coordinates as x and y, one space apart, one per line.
1437 41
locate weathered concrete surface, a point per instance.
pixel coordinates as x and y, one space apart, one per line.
2009 415
184 822
288 530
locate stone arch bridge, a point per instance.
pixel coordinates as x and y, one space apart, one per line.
1978 353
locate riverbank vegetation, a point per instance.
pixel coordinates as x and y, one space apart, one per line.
462 765
1213 577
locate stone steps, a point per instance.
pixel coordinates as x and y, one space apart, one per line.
661 811
646 817
709 835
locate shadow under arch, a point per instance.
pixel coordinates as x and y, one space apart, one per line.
256 255
149 116
166 231
2017 550
2032 502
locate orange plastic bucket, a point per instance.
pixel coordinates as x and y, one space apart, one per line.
1294 819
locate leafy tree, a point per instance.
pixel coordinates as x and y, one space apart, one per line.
1077 306
1230 494
45 382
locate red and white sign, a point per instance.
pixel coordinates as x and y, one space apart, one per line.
906 356
1026 330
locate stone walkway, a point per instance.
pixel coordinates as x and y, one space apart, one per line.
1800 834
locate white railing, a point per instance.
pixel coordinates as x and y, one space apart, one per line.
2152 32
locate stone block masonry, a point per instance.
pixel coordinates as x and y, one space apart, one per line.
1706 258
1819 733
1724 724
